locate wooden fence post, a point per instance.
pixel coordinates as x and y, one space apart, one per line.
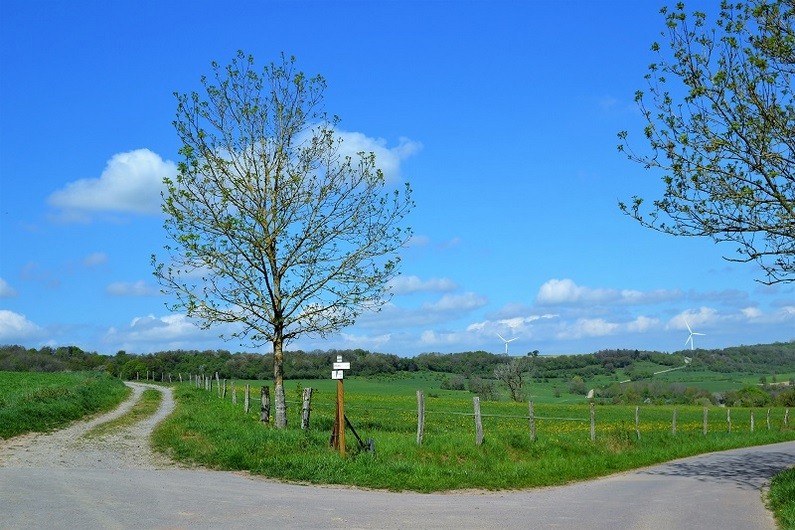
673 423
532 419
704 427
420 416
478 422
786 417
729 419
218 384
593 423
637 422
306 408
234 394
265 409
752 421
247 399
223 392
767 419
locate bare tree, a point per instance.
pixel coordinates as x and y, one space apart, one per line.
272 230
511 374
720 121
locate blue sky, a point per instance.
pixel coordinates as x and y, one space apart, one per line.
502 116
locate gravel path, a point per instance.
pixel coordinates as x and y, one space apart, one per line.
124 448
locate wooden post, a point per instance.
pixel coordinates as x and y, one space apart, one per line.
180 377
223 391
218 384
673 423
752 421
593 423
169 378
767 419
306 408
341 417
704 427
137 376
234 394
420 416
478 422
247 399
729 419
637 422
786 417
265 409
531 415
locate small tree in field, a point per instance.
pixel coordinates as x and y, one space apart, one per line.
273 230
721 126
511 374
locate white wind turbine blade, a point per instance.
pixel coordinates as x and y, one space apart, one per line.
501 337
511 340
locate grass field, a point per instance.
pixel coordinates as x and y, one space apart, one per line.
208 430
782 498
34 401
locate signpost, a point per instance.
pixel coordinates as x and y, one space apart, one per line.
338 373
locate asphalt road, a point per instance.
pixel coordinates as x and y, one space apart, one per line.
719 490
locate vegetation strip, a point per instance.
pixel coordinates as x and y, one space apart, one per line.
38 402
145 407
209 430
781 498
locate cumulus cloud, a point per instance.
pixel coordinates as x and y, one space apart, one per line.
387 159
703 316
6 291
161 332
14 326
413 284
566 292
139 288
130 183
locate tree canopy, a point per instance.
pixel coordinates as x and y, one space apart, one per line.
721 127
273 230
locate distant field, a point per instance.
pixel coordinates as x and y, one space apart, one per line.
35 401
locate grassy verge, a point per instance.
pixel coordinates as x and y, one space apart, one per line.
37 402
213 432
145 407
782 498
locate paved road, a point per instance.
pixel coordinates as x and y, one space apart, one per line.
720 490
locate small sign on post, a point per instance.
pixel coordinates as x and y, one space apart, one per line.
338 374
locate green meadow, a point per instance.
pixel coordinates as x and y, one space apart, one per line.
35 401
215 432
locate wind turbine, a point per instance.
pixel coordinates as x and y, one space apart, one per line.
690 337
506 341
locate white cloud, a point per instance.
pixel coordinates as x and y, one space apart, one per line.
413 284
139 288
366 341
456 303
95 259
6 291
704 316
130 183
587 327
566 292
14 326
387 159
165 330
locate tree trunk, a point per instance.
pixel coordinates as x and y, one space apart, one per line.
280 414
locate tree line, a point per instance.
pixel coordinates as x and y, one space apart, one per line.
761 359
